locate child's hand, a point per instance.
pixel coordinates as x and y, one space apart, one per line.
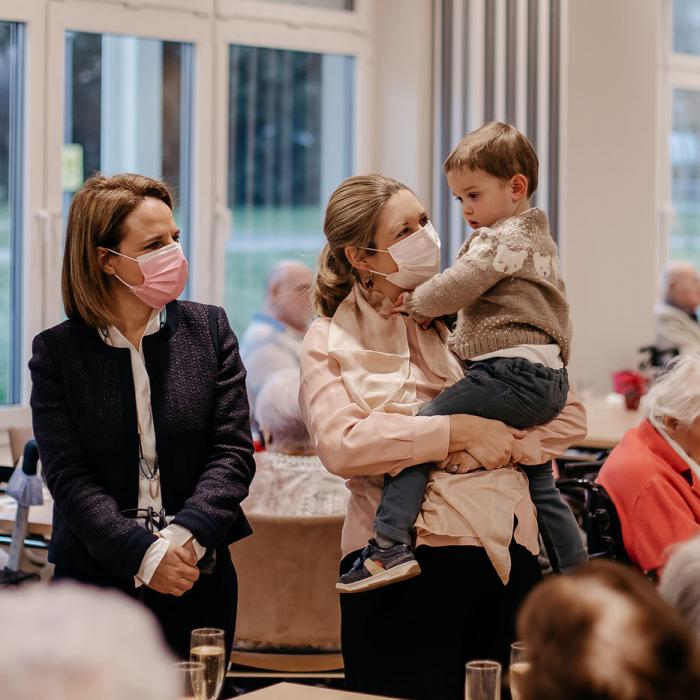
399 306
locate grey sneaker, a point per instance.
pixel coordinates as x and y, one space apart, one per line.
377 567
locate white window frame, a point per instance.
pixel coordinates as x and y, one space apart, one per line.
164 25
296 28
201 8
678 71
298 16
31 14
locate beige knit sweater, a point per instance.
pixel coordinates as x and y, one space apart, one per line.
506 287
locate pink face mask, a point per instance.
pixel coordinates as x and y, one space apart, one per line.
164 275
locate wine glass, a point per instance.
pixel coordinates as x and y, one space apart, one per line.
207 647
483 680
190 680
519 667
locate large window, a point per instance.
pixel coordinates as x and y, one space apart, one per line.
246 108
684 151
128 109
11 178
686 27
290 144
682 192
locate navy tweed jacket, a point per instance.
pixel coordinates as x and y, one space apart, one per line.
84 416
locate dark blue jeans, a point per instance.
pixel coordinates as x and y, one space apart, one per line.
521 394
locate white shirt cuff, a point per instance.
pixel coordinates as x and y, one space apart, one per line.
179 536
153 556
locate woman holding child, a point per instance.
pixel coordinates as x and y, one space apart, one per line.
366 371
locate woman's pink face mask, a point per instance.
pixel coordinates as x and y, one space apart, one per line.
164 275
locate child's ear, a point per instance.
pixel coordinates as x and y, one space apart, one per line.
355 258
518 186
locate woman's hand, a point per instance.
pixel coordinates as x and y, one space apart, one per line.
177 571
492 444
459 463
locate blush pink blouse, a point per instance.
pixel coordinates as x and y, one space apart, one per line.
361 445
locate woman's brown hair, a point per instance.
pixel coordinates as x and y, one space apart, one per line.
351 220
95 219
603 633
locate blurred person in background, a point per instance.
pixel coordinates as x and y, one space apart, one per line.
677 314
71 642
290 479
617 640
272 341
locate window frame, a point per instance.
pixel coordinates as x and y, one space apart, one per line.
31 14
249 23
164 25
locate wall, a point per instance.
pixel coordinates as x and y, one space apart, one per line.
402 64
609 223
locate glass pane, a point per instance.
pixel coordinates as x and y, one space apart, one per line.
128 109
11 148
328 4
684 149
686 26
290 145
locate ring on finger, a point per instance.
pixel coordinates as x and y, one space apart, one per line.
454 468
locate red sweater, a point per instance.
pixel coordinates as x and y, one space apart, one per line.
655 493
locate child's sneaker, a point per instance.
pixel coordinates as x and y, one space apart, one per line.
377 567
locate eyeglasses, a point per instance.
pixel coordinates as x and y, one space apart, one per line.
153 520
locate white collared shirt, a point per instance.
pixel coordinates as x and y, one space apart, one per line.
149 489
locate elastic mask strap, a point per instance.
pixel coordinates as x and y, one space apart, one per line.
374 250
130 286
128 257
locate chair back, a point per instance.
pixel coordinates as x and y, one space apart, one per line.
19 436
287 571
597 516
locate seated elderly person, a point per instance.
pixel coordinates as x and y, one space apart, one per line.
676 315
290 479
653 476
680 582
617 640
273 339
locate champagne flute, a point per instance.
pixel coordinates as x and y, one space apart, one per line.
519 668
207 647
483 680
190 680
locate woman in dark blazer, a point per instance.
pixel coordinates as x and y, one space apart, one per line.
140 411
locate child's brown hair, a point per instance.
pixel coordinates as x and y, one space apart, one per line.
498 149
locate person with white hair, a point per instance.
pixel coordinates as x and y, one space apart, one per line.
653 475
74 642
272 341
677 313
290 479
680 582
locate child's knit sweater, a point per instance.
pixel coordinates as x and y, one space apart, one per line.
505 284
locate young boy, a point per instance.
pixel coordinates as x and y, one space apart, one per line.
513 334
